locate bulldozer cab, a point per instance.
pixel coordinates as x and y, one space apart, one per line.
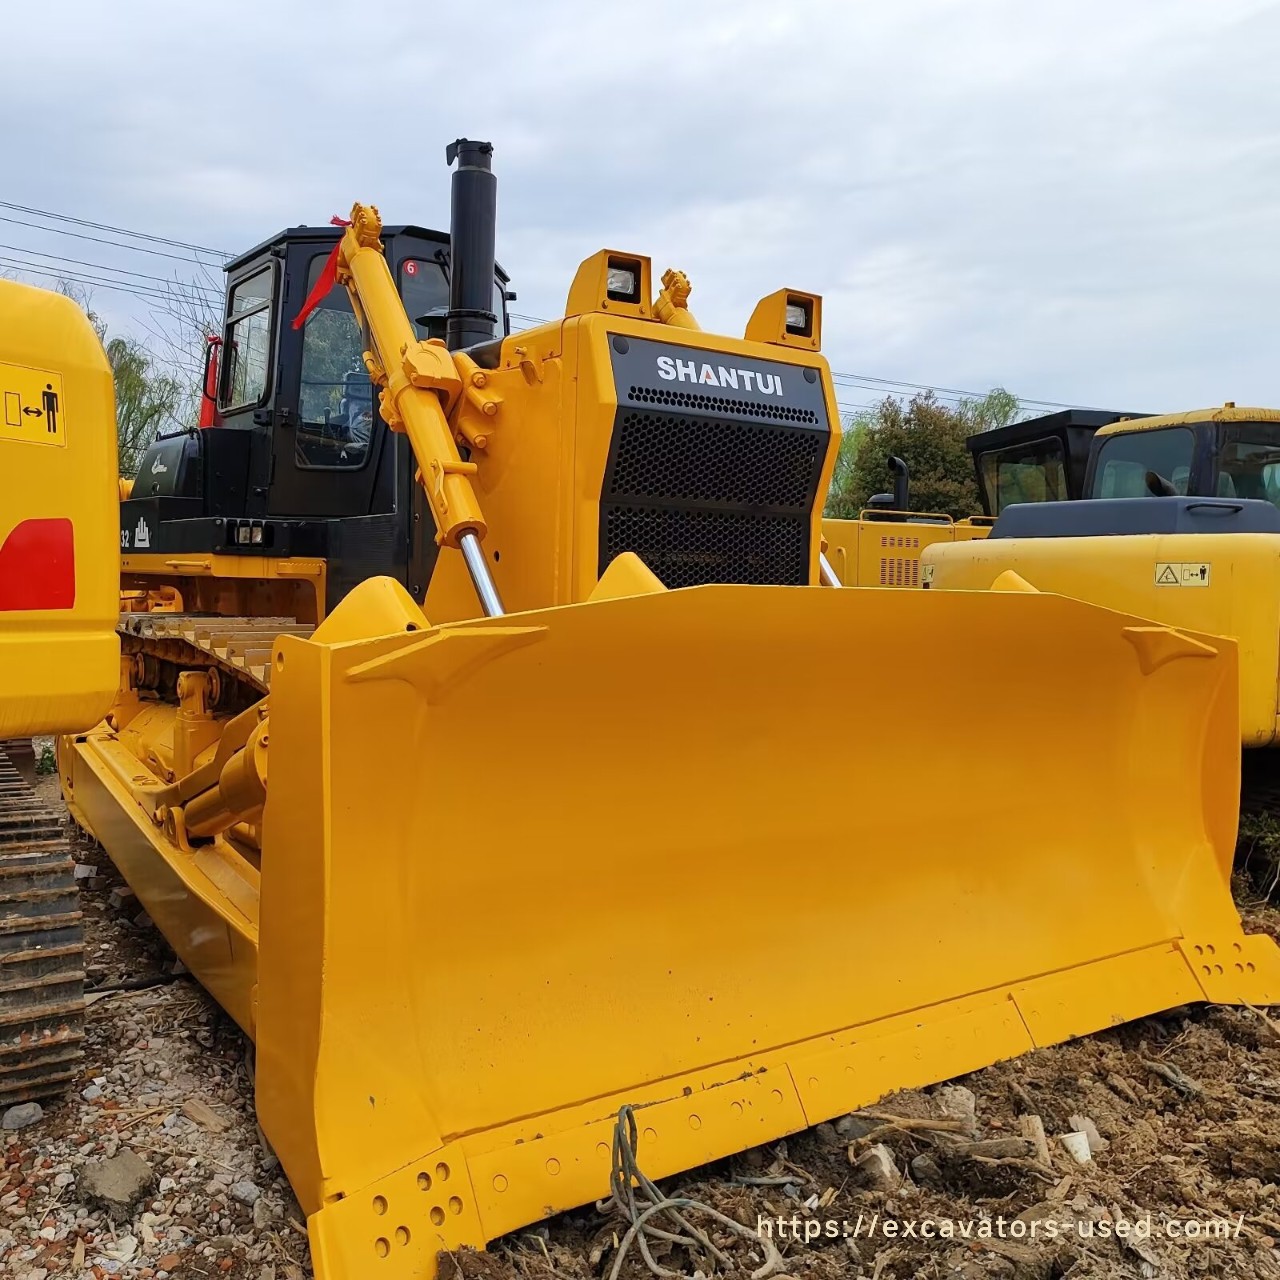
1041 460
299 463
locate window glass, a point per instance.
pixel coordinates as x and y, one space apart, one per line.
426 295
335 396
1034 472
1127 461
252 293
248 341
1249 461
425 290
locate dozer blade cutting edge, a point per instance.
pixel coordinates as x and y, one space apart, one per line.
659 813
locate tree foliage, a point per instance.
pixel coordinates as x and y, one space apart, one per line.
150 398
929 436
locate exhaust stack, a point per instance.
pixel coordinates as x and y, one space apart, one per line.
473 219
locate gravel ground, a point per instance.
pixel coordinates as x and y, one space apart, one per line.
165 1077
154 1166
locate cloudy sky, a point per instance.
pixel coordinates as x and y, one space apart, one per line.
1078 200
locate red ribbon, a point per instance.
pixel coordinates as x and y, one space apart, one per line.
328 278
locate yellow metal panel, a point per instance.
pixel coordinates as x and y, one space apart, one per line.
59 551
1238 595
215 932
886 553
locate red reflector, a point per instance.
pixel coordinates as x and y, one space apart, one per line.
38 566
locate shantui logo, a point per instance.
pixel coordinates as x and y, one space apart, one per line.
157 467
716 375
142 535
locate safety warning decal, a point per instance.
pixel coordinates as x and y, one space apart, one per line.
31 403
1182 573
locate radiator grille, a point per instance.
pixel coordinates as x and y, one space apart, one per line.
720 404
705 499
661 455
696 548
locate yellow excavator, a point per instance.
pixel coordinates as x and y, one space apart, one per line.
472 748
1180 522
59 658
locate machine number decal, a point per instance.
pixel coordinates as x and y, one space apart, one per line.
1182 573
31 408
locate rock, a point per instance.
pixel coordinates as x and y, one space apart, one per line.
246 1193
828 1134
854 1126
22 1116
142 920
121 897
167 1185
85 872
168 1262
1090 1130
64 1179
262 1214
955 1102
876 1169
91 1094
924 1169
117 1184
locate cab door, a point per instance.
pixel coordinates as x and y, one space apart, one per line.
329 448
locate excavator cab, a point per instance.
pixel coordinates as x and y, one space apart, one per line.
300 463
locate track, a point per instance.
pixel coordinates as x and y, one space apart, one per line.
240 647
41 947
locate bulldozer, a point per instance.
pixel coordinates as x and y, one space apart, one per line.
471 748
1180 522
882 547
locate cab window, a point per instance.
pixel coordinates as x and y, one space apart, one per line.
426 296
1132 464
1249 461
1033 472
335 398
247 343
425 290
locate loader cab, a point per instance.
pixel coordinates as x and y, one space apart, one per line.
300 463
1043 459
1214 453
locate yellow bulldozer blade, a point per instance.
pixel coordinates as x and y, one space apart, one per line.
715 853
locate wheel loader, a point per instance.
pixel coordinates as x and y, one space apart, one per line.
472 748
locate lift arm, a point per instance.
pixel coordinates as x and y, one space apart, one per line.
420 387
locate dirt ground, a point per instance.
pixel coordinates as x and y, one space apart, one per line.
1184 1110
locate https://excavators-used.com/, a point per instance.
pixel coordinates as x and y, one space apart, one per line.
472 748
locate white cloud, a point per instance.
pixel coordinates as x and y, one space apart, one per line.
1077 200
